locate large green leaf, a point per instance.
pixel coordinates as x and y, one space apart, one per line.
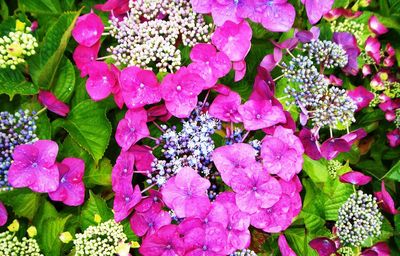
89 127
24 202
44 65
95 205
49 7
336 194
313 207
13 82
65 80
99 175
316 170
394 173
48 235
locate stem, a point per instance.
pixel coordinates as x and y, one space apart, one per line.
149 187
277 78
291 54
104 57
205 99
142 172
331 132
105 34
159 127
245 136
41 111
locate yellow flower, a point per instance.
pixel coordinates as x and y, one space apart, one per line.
65 237
97 218
14 226
32 231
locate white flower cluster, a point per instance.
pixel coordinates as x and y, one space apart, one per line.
11 246
101 240
15 46
149 34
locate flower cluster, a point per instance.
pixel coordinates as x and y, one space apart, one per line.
359 218
15 129
17 45
11 245
103 239
350 26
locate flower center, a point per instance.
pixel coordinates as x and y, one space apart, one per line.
127 198
258 116
205 247
34 165
132 129
254 188
63 180
179 88
141 85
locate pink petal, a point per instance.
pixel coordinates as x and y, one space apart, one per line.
376 27
284 247
83 56
387 201
316 9
240 70
355 178
274 21
88 29
3 214
101 80
49 100
324 246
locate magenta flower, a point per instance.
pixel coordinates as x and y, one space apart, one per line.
394 138
324 246
355 178
260 114
225 107
186 193
305 36
230 10
240 70
159 112
180 91
132 128
122 172
143 158
237 228
71 190
233 160
255 189
207 241
3 214
201 6
34 167
271 60
282 153
117 7
349 44
50 101
147 223
333 146
101 80
376 27
209 64
233 39
386 200
269 14
88 29
373 49
284 246
154 200
379 249
83 56
139 87
361 96
338 12
166 242
125 201
316 9
310 143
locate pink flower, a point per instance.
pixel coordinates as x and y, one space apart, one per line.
154 200
373 49
240 70
324 246
233 39
147 223
166 242
282 153
269 14
316 9
117 7
159 112
83 56
338 12
101 80
233 160
132 128
122 172
180 91
237 228
230 10
201 6
376 27
361 96
284 247
71 190
355 178
207 241
394 138
125 201
225 107
3 214
88 29
271 60
139 87
209 64
50 101
34 166
310 144
387 202
349 44
379 249
260 114
143 158
255 189
186 193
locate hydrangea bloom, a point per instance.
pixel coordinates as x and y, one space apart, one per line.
148 222
269 14
102 80
225 107
50 101
125 201
71 190
233 39
34 166
166 241
180 91
3 214
209 240
122 172
361 96
88 29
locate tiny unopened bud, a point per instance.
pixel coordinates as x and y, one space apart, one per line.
32 231
65 237
14 226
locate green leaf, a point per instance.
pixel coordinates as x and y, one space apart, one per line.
95 205
394 173
317 170
3 9
50 7
89 127
13 82
48 235
65 80
336 193
99 175
313 207
24 202
298 239
44 65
